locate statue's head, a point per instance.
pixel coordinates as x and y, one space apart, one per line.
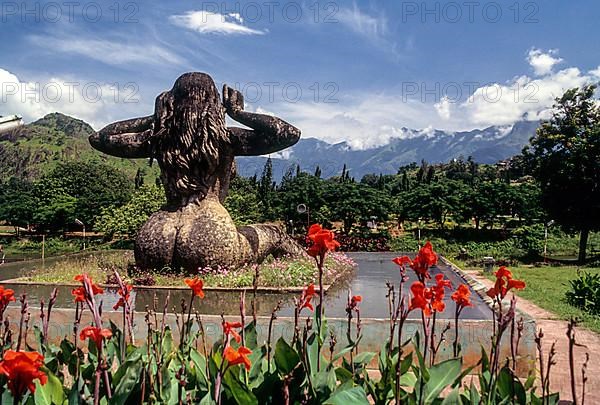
189 130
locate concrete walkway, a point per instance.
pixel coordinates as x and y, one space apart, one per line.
555 331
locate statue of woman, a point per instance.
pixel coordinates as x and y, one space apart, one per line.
195 150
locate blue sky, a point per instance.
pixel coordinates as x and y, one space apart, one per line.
356 71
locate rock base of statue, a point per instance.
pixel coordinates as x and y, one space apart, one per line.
202 234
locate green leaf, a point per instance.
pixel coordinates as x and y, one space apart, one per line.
250 336
364 358
41 397
126 379
440 376
352 396
325 382
286 358
453 398
239 391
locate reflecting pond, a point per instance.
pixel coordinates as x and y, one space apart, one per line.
368 280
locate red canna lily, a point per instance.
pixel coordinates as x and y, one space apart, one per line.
438 292
196 285
462 296
323 240
504 283
125 297
229 330
21 369
239 356
80 293
421 298
95 334
6 296
306 297
421 263
354 301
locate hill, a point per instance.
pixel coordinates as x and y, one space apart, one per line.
34 149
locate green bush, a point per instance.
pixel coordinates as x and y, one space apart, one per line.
585 292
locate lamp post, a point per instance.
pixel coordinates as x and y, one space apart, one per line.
80 223
546 226
303 208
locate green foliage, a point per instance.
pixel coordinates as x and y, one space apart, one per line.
243 202
584 292
563 157
129 218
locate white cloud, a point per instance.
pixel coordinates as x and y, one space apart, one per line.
542 62
97 104
362 23
367 120
443 107
206 22
109 52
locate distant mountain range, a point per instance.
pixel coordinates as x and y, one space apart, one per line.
35 148
487 145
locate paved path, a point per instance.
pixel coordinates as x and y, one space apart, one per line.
555 331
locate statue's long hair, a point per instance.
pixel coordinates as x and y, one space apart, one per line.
189 131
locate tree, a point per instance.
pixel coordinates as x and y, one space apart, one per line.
17 203
128 219
266 187
94 185
564 157
242 202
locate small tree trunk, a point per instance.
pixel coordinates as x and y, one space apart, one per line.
583 240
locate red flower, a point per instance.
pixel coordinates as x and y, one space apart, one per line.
422 262
21 369
124 298
239 356
228 329
462 296
306 297
96 334
6 296
421 298
429 299
504 283
323 240
354 301
438 292
196 285
80 293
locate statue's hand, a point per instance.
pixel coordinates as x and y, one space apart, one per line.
233 101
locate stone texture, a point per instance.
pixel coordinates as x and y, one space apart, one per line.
195 151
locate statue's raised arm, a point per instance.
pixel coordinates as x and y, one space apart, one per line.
125 139
268 134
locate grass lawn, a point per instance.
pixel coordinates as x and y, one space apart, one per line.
546 287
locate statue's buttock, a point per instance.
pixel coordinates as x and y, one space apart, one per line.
195 151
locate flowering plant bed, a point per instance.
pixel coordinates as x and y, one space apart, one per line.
271 274
177 365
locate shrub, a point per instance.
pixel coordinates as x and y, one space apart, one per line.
585 292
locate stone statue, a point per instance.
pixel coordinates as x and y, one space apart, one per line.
195 150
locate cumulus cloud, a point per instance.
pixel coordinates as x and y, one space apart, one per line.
542 62
97 104
206 22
